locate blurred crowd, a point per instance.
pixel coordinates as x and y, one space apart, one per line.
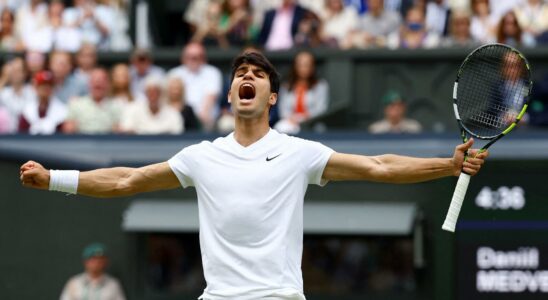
53 83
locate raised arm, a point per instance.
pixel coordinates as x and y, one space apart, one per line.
106 183
402 169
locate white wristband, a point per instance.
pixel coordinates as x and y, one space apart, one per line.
64 181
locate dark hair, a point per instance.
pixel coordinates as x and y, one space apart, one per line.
293 77
259 60
501 34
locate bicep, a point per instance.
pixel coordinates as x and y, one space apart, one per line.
341 166
153 177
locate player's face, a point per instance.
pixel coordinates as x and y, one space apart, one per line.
249 93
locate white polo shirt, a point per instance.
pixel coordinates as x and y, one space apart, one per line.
250 203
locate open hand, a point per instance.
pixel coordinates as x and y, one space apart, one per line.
473 163
34 175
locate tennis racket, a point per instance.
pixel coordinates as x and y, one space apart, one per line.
490 96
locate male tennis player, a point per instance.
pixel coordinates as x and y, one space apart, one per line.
250 187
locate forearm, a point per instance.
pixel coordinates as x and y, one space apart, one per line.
105 183
404 169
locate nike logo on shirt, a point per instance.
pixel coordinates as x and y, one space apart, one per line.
271 158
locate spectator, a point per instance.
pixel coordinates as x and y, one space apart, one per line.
9 41
394 120
94 283
374 26
119 38
203 83
281 25
500 7
532 17
413 34
119 76
14 96
153 115
30 18
304 96
67 84
437 17
86 61
236 23
34 62
95 113
142 66
44 113
176 98
208 31
509 32
308 33
483 24
338 22
95 22
459 30
62 37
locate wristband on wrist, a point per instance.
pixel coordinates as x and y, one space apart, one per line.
64 181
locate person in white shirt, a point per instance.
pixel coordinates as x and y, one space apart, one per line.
152 115
251 186
15 95
203 83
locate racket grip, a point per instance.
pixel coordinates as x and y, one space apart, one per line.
456 203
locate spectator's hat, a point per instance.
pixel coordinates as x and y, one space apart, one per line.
392 96
94 250
43 77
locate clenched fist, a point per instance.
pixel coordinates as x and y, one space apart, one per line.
33 174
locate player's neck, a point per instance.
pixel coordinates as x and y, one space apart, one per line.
248 131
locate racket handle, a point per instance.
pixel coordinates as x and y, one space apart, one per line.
456 203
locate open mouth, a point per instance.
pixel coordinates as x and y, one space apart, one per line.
247 91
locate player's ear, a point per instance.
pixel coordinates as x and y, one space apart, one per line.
273 98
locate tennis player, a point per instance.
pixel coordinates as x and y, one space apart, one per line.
251 185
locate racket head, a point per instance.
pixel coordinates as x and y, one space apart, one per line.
491 92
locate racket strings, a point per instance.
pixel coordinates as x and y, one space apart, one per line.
492 87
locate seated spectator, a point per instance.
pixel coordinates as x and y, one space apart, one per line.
176 98
338 22
119 76
30 18
483 25
67 84
152 115
437 17
9 41
235 23
208 31
44 114
281 25
203 83
304 96
35 62
308 33
142 66
509 32
374 27
459 31
95 22
532 16
86 61
61 36
94 282
14 91
394 120
95 113
413 34
119 37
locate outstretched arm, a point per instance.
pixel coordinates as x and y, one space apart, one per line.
402 169
105 183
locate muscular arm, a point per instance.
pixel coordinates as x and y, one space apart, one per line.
111 182
391 168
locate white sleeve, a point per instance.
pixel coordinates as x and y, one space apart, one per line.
182 165
315 157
